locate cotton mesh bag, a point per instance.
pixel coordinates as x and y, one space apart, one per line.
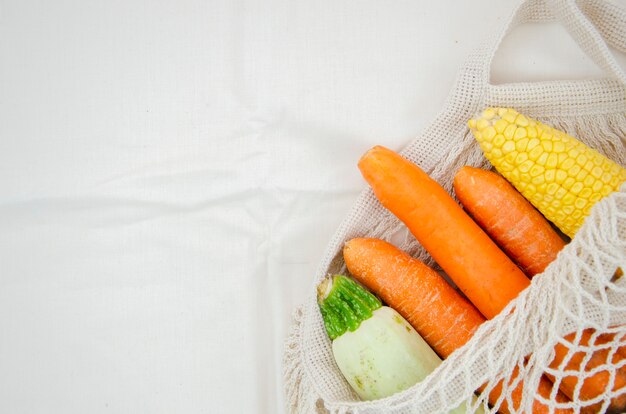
580 296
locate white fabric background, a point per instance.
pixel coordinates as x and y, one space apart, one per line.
170 173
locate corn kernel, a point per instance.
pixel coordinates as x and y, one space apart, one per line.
597 160
545 197
521 157
558 146
568 199
573 172
560 193
568 163
576 214
552 160
568 183
535 153
525 166
550 175
488 133
508 147
552 188
535 170
559 216
606 178
541 188
585 193
595 197
615 181
560 176
496 152
520 133
500 125
547 145
509 116
505 166
521 120
532 144
499 140
542 158
541 131
538 180
501 112
576 188
588 165
482 124
580 203
531 131
510 157
581 175
589 180
596 186
521 144
509 131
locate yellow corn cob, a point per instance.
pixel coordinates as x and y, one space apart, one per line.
562 177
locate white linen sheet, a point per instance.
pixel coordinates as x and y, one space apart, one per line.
170 173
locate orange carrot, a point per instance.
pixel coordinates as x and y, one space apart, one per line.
527 237
511 221
436 310
474 262
597 383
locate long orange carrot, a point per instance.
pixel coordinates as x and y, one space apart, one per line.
511 221
474 262
436 310
527 237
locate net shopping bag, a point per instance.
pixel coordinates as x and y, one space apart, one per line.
576 292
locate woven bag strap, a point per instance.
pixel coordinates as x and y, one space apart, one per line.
593 24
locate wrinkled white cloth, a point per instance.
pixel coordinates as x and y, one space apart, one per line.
171 173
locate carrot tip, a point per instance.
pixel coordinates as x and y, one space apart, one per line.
371 153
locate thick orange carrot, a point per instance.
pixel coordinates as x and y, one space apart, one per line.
527 237
474 262
511 221
436 310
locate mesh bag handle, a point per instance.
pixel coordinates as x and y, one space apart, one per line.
593 24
